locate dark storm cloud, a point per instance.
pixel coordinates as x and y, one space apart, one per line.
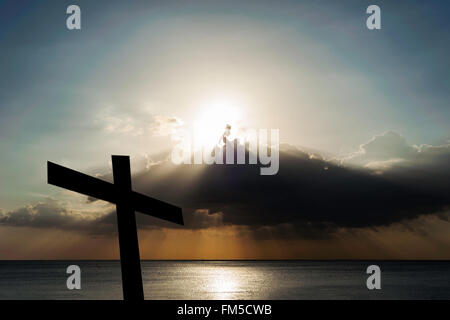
309 196
308 193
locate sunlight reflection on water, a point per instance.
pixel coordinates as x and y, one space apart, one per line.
206 280
224 284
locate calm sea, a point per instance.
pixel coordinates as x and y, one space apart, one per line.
229 280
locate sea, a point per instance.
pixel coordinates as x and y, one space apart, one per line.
194 280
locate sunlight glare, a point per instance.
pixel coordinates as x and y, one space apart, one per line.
210 125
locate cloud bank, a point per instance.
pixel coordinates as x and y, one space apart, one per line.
309 197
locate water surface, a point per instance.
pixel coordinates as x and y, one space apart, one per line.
229 280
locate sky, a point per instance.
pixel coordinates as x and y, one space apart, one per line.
370 106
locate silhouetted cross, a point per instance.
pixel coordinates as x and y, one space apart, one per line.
127 202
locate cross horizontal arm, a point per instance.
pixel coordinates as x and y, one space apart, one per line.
82 183
79 182
156 208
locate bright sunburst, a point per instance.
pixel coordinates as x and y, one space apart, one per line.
213 120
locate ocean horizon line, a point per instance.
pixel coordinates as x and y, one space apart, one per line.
243 260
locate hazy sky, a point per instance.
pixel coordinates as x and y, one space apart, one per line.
308 68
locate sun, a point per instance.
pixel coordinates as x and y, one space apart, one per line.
212 121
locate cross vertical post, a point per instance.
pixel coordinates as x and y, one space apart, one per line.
127 202
128 238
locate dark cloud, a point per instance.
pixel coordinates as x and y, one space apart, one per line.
308 193
309 196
